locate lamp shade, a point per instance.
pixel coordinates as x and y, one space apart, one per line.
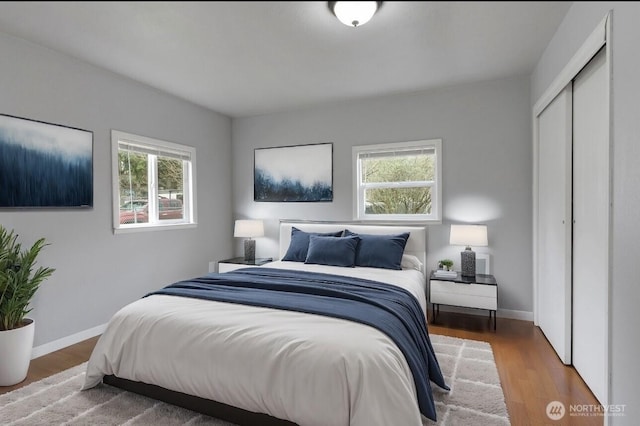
469 235
354 13
248 228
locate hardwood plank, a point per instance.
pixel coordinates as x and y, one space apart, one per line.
530 371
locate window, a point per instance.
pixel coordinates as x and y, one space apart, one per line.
398 181
153 183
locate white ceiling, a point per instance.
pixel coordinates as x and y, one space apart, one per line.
250 58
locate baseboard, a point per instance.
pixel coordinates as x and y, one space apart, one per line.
502 313
47 348
519 315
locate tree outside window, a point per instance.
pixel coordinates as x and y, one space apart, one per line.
397 181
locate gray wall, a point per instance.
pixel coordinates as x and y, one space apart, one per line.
581 19
486 133
99 272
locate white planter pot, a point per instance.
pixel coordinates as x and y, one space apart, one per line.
15 353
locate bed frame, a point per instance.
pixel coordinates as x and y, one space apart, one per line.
197 404
416 245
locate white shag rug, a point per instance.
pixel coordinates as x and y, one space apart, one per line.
476 397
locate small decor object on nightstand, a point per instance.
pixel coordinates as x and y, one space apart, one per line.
441 273
445 269
445 264
249 229
468 235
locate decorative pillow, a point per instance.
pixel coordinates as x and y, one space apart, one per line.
334 251
380 251
411 262
297 251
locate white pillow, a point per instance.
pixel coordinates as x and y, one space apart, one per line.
410 262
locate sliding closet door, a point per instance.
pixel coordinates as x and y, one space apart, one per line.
591 227
553 268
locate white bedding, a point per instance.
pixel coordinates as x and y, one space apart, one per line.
309 369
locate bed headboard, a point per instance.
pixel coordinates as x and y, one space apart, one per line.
416 244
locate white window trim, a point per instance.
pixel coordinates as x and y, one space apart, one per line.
189 197
436 195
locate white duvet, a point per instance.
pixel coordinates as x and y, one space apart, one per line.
309 369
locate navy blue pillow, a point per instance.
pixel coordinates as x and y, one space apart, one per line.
380 251
297 251
334 251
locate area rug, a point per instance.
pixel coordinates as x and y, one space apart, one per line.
475 398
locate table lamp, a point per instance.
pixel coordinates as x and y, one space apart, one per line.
249 229
468 235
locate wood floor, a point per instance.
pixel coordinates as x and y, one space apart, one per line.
530 371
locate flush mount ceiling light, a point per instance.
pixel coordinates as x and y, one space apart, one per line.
354 13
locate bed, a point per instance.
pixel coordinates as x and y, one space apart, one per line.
253 364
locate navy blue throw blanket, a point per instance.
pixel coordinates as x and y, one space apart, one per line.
390 309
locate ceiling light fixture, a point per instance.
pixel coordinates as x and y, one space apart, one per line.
354 13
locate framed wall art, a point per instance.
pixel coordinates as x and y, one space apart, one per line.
44 164
483 263
300 173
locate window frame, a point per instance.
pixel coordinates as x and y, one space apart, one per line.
359 212
188 185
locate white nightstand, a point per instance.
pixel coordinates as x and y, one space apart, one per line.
228 265
479 292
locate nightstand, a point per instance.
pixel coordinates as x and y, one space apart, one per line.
239 262
479 292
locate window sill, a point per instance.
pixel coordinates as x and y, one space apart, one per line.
154 227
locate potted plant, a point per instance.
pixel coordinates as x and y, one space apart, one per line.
445 264
18 284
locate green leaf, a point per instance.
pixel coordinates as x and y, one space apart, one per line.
18 280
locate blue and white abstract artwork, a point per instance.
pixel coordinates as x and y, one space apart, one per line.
294 173
44 165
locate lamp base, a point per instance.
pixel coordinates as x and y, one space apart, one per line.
468 258
250 250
